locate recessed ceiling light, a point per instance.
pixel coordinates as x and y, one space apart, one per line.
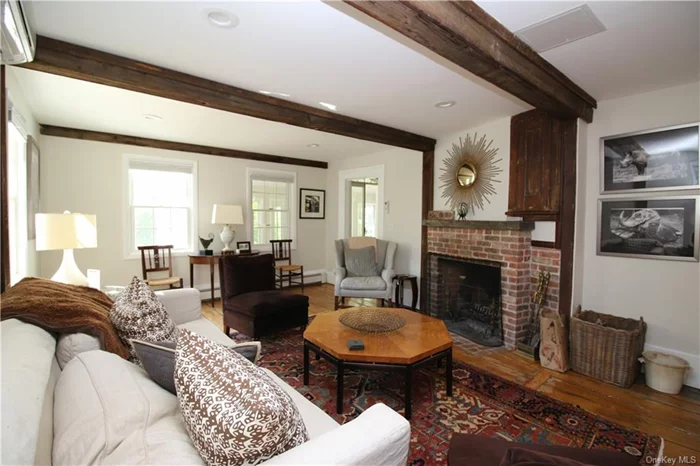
314 145
222 18
446 104
276 94
329 106
152 117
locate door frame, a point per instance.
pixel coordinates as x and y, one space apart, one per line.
344 178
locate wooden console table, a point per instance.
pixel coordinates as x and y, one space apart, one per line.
212 261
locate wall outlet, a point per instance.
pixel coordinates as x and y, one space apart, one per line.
386 207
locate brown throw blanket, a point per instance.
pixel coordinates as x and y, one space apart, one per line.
57 307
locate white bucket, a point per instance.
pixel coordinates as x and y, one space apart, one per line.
664 372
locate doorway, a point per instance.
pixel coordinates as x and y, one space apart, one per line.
361 202
364 204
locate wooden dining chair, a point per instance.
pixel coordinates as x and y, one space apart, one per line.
158 259
291 273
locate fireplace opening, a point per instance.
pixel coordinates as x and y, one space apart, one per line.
469 299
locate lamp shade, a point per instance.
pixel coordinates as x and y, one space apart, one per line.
224 214
65 231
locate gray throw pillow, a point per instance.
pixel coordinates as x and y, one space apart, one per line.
158 358
361 262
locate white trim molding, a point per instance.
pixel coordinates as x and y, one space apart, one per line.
344 178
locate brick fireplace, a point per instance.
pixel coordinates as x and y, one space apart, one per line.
507 243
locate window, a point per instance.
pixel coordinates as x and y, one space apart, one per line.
272 206
17 197
361 202
162 196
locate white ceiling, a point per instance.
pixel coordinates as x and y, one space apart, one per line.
60 101
316 52
306 49
647 45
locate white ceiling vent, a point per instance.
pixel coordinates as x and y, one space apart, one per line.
561 29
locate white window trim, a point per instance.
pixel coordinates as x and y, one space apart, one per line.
128 231
19 224
293 207
344 178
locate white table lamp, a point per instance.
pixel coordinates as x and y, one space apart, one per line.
66 231
227 215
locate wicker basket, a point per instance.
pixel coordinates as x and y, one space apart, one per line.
606 347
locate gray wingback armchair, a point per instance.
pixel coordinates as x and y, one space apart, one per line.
375 275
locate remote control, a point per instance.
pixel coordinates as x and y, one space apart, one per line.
355 345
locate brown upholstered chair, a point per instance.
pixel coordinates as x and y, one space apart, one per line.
250 302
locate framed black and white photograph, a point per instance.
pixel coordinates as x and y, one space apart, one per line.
312 203
657 160
243 246
653 228
33 188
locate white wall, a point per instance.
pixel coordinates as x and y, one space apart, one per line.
496 206
665 293
87 177
499 132
403 172
16 95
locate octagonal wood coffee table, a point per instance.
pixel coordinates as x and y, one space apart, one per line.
420 340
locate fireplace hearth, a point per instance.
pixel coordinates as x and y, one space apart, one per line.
469 299
503 245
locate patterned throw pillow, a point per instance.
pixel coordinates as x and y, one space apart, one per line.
159 359
234 412
137 314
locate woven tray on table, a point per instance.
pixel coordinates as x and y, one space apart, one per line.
372 320
606 347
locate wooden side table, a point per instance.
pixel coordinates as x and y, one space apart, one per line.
398 294
212 261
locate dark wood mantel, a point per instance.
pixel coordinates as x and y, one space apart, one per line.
512 225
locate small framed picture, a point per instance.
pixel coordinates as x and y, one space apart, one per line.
657 160
653 228
243 246
312 203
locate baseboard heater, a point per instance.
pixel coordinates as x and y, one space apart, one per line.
312 277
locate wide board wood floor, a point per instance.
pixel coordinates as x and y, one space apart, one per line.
676 418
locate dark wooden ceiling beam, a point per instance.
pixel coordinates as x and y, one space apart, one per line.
86 135
73 61
463 33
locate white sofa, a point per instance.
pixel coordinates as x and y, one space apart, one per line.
103 409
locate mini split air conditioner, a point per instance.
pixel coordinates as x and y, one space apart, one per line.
18 42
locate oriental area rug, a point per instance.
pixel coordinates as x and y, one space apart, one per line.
482 404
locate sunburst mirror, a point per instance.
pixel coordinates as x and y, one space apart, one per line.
469 172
